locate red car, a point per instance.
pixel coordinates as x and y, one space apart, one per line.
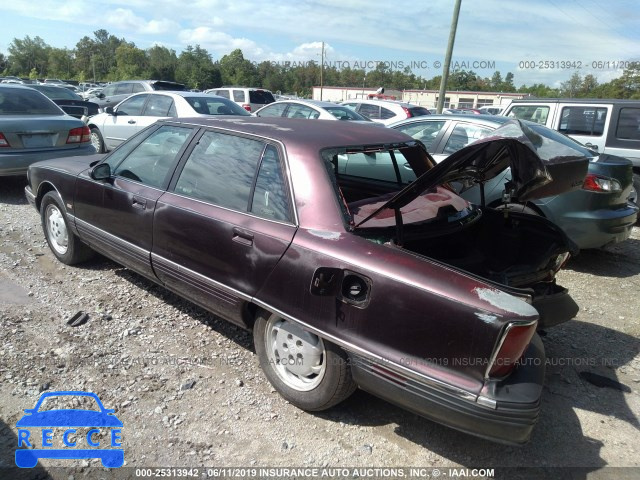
409 292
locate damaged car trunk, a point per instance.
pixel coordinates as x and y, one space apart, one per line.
517 252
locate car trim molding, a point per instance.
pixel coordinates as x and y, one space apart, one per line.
92 233
372 358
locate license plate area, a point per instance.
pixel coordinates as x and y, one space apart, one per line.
38 140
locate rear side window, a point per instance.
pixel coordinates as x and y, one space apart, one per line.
302 111
137 88
370 111
124 89
270 198
386 114
215 106
533 113
261 97
168 86
582 121
221 170
221 93
238 96
628 124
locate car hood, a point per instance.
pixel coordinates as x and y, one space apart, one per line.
540 167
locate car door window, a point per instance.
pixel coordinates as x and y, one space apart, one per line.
533 113
158 106
150 162
582 121
462 135
273 110
386 114
238 96
628 124
426 132
270 197
221 170
137 88
370 111
302 111
109 91
222 93
132 106
124 89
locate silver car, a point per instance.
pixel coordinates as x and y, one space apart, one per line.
310 109
115 125
33 128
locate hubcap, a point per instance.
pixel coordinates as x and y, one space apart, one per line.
95 141
297 356
57 229
633 196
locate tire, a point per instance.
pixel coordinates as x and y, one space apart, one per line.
636 189
97 141
518 207
64 244
314 375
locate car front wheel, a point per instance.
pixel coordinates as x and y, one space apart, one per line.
64 244
307 371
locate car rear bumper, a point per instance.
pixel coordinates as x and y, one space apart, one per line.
17 163
516 400
601 227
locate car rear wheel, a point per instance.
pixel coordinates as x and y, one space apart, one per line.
307 371
96 140
66 246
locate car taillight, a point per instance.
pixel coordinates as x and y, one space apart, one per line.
3 141
246 106
79 135
597 183
407 112
514 341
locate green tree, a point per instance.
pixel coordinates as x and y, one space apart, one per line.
196 69
571 87
162 63
236 70
60 63
131 62
27 53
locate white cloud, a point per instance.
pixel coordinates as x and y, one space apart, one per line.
219 42
125 19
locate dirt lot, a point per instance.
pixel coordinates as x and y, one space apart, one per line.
189 391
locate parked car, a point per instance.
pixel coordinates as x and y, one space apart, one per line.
112 127
594 216
70 102
386 111
91 92
310 109
411 293
34 128
490 110
609 126
115 92
251 99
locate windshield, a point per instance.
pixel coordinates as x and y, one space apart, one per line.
345 113
19 101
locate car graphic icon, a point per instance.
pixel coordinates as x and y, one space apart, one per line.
69 418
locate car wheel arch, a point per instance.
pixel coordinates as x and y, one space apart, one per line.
498 204
43 189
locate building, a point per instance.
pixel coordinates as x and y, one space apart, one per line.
425 98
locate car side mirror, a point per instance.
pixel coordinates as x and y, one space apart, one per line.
100 95
109 110
102 171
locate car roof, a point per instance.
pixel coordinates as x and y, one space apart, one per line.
308 135
491 120
574 100
382 102
315 103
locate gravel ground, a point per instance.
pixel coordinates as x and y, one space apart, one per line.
188 388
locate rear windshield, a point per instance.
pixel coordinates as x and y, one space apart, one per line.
18 101
419 111
57 93
213 105
169 86
260 96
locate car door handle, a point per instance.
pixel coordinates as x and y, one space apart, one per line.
591 145
242 236
139 202
407 166
131 122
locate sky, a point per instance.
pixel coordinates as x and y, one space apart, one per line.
539 41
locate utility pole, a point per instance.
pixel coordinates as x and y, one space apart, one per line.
321 69
447 59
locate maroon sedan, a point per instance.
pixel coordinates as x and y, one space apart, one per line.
347 281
